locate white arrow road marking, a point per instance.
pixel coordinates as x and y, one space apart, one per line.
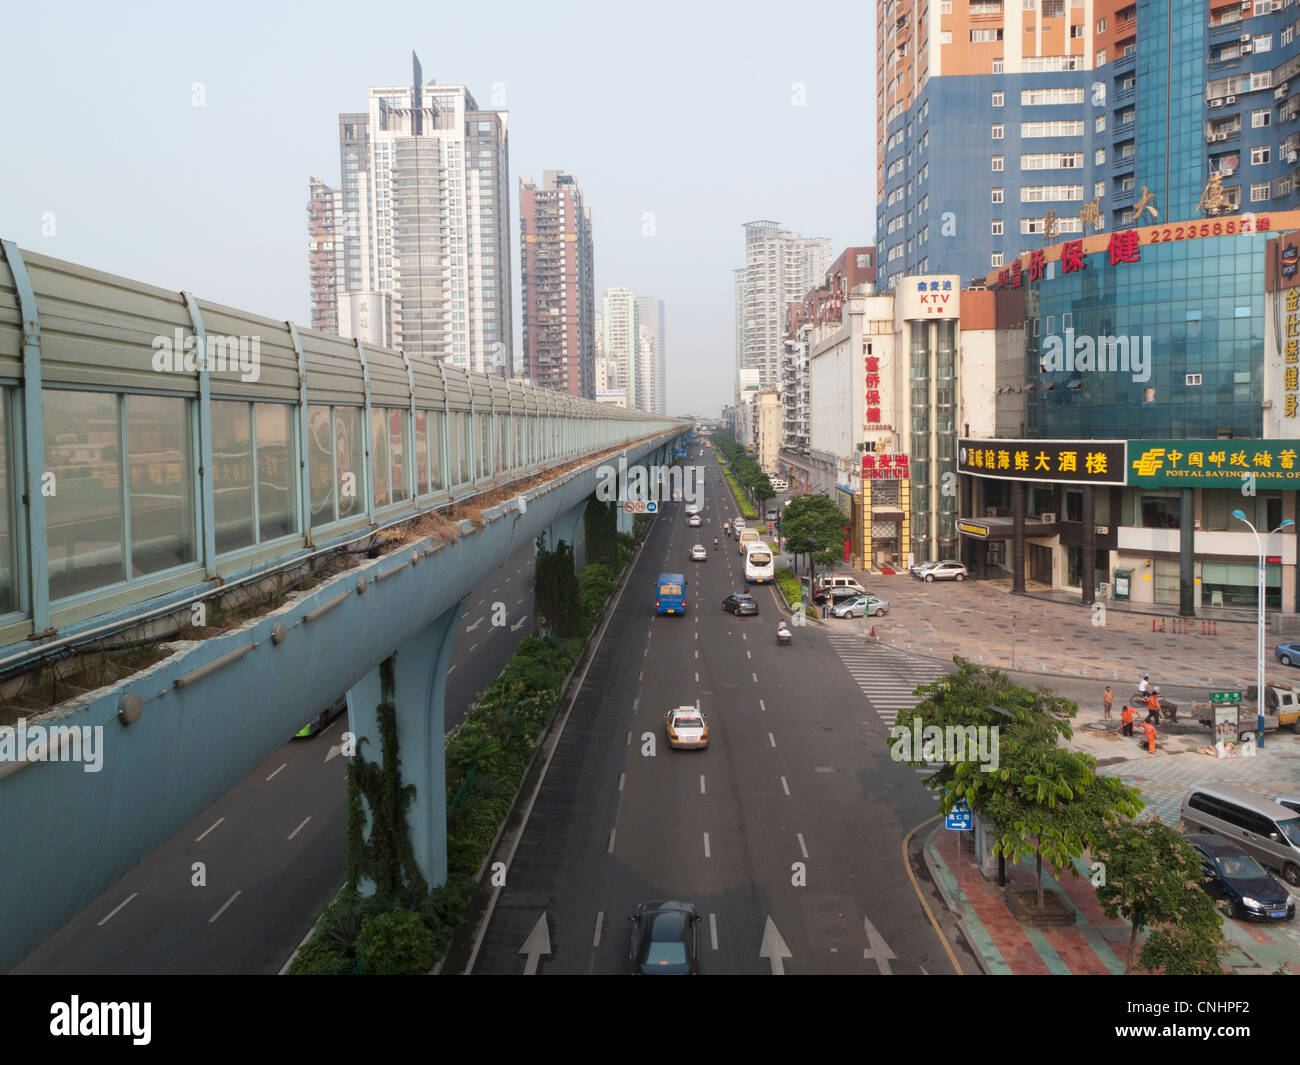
878 951
334 752
537 944
471 628
774 948
518 623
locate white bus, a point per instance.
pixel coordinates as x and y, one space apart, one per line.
759 567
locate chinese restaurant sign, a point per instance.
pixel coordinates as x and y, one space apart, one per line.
1213 463
884 467
1048 461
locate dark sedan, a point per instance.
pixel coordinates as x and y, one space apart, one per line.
740 603
1233 875
665 940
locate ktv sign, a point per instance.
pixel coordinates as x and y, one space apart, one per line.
932 296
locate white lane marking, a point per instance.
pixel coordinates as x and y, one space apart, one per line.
276 773
697 652
771 739
519 603
481 602
628 743
749 654
300 827
600 920
802 847
702 791
451 670
641 676
472 649
697 678
743 636
621 777
225 907
610 848
755 676
697 635
118 908
713 930
518 623
214 825
706 846
761 706
471 628
635 703
785 786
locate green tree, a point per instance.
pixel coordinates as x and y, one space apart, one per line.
1152 879
814 526
557 596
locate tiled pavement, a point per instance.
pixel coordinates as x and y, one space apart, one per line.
1060 642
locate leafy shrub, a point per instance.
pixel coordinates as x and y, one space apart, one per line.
394 943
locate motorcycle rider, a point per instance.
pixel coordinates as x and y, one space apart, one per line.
1144 686
715 543
782 631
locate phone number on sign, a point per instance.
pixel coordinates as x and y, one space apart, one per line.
1208 229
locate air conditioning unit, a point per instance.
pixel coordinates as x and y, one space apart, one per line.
1230 99
1196 522
1280 92
1220 136
1245 48
1048 519
1216 103
1290 157
1245 37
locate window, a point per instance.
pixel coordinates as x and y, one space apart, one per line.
1260 118
1052 161
1101 25
998 98
997 259
1042 193
945 7
1259 192
1099 157
945 36
1047 97
1101 57
998 66
1260 156
1099 189
997 227
997 162
1052 129
997 195
997 131
1264 43
985 36
1100 125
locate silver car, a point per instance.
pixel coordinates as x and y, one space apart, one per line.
944 571
861 605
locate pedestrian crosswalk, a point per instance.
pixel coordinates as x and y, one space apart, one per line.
887 678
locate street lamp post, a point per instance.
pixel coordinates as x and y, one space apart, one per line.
1259 649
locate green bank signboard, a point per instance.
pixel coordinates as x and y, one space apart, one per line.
1213 463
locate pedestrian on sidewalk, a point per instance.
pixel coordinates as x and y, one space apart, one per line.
1150 730
1107 698
1127 716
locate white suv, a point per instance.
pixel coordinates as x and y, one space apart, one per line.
944 571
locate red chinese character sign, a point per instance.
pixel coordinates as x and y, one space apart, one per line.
884 467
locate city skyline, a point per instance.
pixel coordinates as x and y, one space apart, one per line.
660 232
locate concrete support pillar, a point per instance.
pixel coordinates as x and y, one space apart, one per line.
1018 537
565 527
414 681
980 491
1087 576
1186 554
625 520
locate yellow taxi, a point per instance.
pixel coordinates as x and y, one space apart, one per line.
687 727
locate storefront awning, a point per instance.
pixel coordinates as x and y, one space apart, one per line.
1003 528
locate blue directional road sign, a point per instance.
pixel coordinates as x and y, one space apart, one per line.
959 820
681 452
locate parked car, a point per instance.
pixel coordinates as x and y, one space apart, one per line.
698 554
860 605
1229 873
944 571
665 940
922 568
836 583
740 603
1268 830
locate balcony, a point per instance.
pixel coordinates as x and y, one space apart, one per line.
1223 32
1123 163
1124 129
1123 197
1125 94
1122 64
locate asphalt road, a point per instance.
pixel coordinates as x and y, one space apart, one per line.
272 847
787 833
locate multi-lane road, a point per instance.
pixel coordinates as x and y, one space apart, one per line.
789 834
237 889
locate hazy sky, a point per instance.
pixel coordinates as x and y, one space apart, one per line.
685 110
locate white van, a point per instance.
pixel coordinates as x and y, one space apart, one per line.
1265 829
747 536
